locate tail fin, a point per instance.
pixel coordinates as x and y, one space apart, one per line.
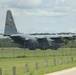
10 27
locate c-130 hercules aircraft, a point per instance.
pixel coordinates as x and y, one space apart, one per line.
33 42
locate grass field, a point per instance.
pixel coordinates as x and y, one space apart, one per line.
10 57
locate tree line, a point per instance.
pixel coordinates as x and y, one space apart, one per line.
6 42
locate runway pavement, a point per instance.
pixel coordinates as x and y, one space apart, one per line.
71 71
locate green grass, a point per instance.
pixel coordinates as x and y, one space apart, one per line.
10 57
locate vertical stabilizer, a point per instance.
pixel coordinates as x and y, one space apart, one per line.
10 27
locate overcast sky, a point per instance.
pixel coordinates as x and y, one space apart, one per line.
33 16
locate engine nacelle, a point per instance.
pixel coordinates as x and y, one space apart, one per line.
31 43
49 40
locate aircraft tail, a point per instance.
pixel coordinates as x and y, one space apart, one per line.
10 27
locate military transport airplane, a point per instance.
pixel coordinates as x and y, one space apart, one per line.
33 42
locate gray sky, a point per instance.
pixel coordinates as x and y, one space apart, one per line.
33 16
